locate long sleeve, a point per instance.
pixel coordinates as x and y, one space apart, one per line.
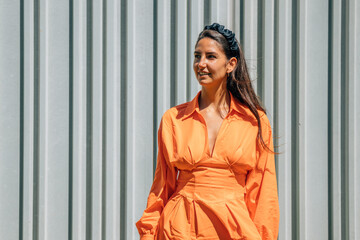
163 185
261 189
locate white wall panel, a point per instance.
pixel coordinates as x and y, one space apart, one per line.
9 118
54 65
196 25
163 55
97 117
354 117
84 83
283 124
313 97
250 38
112 123
79 123
27 80
335 118
183 56
139 110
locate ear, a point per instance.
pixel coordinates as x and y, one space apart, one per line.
231 64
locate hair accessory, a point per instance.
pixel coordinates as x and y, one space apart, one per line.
228 34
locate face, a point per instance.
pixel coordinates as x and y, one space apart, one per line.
210 63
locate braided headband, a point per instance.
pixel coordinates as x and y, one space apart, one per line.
229 36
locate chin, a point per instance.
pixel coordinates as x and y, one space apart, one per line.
204 82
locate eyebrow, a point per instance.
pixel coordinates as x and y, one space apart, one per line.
214 53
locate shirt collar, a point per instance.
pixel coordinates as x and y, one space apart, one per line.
236 105
193 106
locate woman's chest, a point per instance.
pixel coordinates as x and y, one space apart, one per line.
234 144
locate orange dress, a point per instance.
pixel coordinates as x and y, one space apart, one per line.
229 194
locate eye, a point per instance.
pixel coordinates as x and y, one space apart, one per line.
211 56
197 56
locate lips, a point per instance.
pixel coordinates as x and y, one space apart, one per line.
203 73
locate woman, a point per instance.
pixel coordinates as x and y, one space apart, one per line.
215 175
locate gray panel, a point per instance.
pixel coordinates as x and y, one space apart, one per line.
28 125
236 19
9 119
183 57
250 39
42 158
163 76
335 128
354 118
57 120
112 125
316 129
139 119
301 79
79 123
222 12
335 117
97 117
312 127
266 57
196 26
282 124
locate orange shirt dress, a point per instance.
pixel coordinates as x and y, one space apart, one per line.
229 194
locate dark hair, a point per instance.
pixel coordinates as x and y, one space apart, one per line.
238 82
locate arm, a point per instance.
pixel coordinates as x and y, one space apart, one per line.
261 189
162 187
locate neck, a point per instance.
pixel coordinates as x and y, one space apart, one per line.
217 99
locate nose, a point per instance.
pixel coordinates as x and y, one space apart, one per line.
202 63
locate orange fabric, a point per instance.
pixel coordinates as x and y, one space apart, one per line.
231 194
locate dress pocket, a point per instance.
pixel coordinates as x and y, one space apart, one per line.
174 222
237 215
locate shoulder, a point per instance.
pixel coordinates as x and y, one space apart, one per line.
250 116
264 120
176 111
174 114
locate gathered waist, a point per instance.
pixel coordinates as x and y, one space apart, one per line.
209 184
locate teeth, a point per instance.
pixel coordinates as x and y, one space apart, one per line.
202 74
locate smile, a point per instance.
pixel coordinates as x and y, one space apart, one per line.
203 74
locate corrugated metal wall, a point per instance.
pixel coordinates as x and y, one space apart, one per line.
84 83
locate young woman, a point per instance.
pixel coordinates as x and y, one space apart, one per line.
215 175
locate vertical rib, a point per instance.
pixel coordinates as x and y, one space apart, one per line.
260 51
242 13
276 82
155 83
330 124
207 12
173 94
188 50
21 150
344 121
71 114
104 121
123 110
89 141
36 119
294 121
